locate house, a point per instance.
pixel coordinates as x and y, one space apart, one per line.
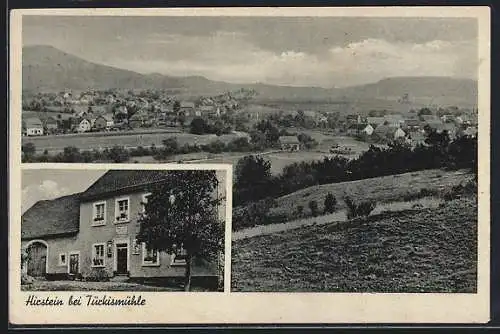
50 124
394 120
103 122
208 111
289 143
34 127
83 125
416 137
430 119
353 119
412 124
187 108
95 231
137 120
387 132
357 129
375 121
470 131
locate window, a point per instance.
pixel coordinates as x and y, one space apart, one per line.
99 214
179 259
150 257
98 255
144 201
122 210
62 259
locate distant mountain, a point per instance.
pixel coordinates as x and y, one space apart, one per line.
46 68
426 90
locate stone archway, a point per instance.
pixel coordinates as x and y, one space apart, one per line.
37 258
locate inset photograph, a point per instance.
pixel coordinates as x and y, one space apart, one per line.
123 230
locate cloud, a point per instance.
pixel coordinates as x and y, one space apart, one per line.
47 189
232 57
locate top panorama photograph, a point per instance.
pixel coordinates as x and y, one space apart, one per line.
216 89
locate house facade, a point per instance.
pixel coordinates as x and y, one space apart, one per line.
96 230
289 143
83 125
34 127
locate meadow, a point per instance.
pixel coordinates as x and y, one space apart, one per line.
383 189
416 250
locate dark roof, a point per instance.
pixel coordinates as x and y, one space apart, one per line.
51 217
359 126
115 180
289 140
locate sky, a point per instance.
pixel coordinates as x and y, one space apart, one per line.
44 184
294 51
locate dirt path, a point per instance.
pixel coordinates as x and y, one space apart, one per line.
337 217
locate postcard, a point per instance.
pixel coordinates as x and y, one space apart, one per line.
249 165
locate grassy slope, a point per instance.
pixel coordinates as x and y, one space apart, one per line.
431 250
382 189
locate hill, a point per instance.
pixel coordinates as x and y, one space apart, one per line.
429 250
46 68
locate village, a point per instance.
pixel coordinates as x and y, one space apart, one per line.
100 112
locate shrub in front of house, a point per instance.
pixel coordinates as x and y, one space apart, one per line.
97 275
27 279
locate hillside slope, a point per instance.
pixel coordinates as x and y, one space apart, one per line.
46 68
430 250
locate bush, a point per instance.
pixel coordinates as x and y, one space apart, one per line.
27 279
97 275
255 213
330 203
300 210
467 189
362 209
313 206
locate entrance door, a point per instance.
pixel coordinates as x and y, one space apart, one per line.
121 258
37 262
74 264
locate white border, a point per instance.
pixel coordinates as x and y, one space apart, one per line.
215 308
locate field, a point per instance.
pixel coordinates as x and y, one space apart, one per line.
131 140
429 250
381 189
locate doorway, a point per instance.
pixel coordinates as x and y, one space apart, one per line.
122 258
74 263
37 259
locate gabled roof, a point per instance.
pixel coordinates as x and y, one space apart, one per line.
207 108
359 126
51 217
116 180
185 104
289 140
431 118
33 122
375 120
386 130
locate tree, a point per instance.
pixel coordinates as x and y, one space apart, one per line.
29 150
177 107
330 203
424 111
170 146
198 126
313 206
252 170
181 215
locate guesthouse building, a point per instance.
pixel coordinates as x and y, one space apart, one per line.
95 230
